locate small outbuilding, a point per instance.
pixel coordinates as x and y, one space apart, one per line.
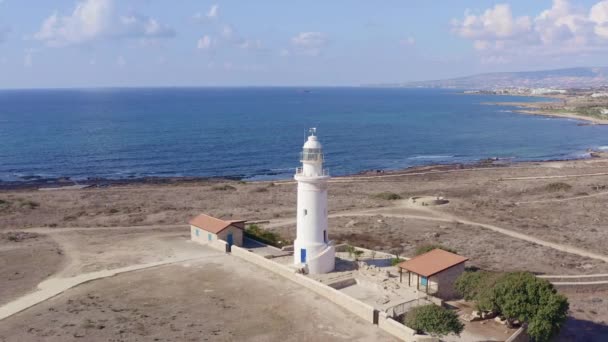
434 272
208 229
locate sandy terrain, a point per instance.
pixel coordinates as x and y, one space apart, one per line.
202 300
562 203
25 263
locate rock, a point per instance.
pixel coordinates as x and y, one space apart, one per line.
79 334
380 221
500 320
476 314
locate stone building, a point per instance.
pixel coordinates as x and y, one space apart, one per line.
433 273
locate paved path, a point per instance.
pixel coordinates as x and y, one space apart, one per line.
556 200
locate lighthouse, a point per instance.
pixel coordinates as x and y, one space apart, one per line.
312 248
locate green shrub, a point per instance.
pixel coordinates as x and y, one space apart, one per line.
522 296
427 248
555 187
270 238
387 195
517 296
395 261
433 320
223 187
477 286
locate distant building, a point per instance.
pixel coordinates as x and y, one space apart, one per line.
596 95
206 229
434 273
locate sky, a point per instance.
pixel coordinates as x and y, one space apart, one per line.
130 43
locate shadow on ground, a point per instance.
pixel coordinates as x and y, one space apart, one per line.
583 331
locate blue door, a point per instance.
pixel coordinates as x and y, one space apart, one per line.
303 255
229 239
424 281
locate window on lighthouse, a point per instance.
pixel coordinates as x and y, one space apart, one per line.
305 212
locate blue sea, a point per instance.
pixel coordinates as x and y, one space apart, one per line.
257 133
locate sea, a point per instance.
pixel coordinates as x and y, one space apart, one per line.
257 133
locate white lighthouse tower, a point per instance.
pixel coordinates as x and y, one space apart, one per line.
311 247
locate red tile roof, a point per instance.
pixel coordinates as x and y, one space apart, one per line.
433 262
212 224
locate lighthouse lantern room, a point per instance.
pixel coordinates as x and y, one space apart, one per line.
312 248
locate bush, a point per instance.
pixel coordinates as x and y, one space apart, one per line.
434 320
270 238
395 261
522 296
477 286
389 196
517 296
223 187
555 187
427 248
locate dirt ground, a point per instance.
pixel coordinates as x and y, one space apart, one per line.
558 202
25 262
202 300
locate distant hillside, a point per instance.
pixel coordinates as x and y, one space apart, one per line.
560 78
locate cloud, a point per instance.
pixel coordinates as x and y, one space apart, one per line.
93 20
309 43
211 14
205 43
599 16
558 30
409 41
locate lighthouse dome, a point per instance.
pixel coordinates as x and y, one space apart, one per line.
313 142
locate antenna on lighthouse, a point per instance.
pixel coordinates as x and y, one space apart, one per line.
313 131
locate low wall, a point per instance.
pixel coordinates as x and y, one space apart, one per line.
401 331
519 336
360 309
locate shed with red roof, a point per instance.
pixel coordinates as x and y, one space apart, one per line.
434 272
208 229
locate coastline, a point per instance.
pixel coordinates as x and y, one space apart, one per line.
68 184
549 109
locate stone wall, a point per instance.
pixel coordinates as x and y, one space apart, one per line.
357 307
519 336
399 330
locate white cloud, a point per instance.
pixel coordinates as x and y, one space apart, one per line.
599 16
409 41
250 44
204 43
211 14
93 20
558 30
309 43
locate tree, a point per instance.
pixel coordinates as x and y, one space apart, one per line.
433 320
522 296
517 296
427 248
478 286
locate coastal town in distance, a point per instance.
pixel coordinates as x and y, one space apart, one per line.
233 192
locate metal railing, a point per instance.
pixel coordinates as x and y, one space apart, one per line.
300 171
311 156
